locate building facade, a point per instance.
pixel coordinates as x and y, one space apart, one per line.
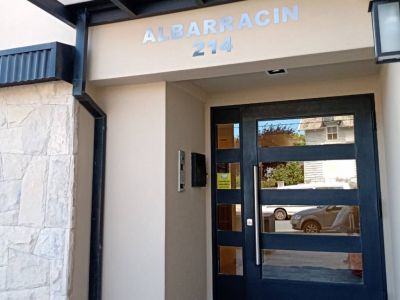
297 123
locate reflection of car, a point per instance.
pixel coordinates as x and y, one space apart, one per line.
323 218
284 212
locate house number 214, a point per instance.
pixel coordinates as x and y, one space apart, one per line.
212 45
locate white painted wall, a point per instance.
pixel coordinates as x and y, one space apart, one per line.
306 90
24 24
84 175
185 251
134 211
391 111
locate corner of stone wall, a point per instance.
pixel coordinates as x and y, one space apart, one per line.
38 125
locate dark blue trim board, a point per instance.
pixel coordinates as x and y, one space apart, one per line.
35 64
99 155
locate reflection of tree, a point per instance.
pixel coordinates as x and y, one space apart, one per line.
277 129
280 135
290 173
300 139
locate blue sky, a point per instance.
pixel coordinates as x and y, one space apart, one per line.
291 123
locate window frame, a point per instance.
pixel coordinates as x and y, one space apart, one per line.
328 133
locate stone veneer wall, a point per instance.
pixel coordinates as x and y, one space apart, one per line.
37 165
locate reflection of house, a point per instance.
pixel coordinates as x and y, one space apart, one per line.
328 130
323 131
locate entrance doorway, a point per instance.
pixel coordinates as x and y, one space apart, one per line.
296 201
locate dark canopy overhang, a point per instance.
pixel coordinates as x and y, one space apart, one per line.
110 11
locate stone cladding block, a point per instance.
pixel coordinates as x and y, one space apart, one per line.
38 128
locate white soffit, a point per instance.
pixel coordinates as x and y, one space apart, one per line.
70 2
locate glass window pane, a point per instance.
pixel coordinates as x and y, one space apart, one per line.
332 267
230 260
326 174
228 136
228 176
389 26
305 131
301 219
229 217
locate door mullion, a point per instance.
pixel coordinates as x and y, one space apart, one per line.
349 244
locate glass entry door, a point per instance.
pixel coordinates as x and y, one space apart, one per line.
296 210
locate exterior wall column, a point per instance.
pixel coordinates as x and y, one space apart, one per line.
391 111
37 169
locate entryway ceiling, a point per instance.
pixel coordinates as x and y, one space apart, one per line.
297 75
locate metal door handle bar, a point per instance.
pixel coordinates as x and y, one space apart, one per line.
256 216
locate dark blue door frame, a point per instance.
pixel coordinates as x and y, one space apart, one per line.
367 196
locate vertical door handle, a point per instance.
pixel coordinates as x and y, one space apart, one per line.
256 216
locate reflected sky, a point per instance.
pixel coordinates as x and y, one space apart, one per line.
292 124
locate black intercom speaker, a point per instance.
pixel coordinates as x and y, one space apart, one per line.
199 174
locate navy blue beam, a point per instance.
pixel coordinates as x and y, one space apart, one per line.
126 5
158 7
57 10
108 16
35 64
149 8
79 81
120 10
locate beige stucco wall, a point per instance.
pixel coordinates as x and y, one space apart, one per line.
134 211
83 210
185 249
390 76
306 90
324 33
24 24
140 226
319 36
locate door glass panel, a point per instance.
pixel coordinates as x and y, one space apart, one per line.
228 176
229 217
324 174
332 267
301 219
230 260
306 131
228 136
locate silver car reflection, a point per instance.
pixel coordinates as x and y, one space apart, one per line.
336 218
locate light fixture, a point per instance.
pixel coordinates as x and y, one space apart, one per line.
386 26
276 72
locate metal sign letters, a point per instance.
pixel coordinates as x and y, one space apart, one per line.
225 24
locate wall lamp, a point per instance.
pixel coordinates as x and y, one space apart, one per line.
386 26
